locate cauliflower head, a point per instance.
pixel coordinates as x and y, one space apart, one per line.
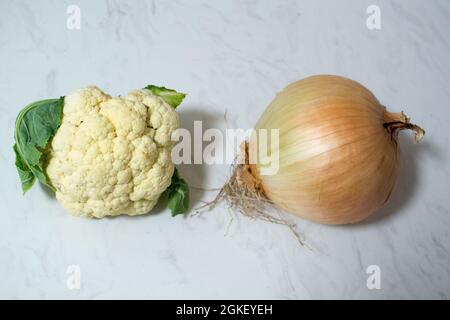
112 156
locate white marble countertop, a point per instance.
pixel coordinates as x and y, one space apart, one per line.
229 56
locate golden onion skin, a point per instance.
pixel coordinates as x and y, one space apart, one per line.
338 162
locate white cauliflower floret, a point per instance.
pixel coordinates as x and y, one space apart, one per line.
111 156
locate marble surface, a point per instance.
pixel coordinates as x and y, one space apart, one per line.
231 57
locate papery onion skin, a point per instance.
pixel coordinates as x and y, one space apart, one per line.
338 162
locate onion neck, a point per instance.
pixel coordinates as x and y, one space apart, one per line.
246 172
394 122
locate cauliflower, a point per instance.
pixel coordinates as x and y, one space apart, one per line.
107 156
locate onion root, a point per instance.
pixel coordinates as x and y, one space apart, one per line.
243 194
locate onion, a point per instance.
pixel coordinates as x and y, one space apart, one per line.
338 154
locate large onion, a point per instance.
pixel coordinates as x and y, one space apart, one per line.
337 155
338 150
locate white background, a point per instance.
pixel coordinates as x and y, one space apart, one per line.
230 57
